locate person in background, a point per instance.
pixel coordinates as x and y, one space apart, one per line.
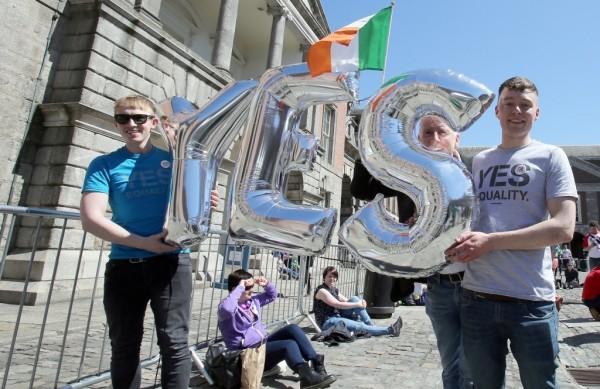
241 326
571 276
135 180
331 307
527 203
565 257
590 295
593 239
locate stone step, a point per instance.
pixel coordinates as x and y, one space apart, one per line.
43 263
37 292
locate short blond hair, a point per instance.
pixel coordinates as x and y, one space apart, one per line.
136 102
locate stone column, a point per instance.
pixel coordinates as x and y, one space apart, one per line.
221 55
277 35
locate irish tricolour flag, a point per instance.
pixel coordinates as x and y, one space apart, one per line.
360 45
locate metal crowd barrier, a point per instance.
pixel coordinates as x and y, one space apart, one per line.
53 330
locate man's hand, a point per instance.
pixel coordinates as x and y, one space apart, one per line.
156 243
469 246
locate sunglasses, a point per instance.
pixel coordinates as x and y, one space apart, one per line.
249 287
123 118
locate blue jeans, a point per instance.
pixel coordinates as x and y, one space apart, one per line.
356 319
357 314
289 343
443 309
531 327
165 281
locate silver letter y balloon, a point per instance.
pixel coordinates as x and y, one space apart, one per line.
440 186
198 141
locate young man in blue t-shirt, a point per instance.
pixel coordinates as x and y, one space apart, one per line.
527 198
135 181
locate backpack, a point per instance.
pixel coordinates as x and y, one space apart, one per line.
339 333
224 366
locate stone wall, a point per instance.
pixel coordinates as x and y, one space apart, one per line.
27 28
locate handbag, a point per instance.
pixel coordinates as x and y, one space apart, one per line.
224 366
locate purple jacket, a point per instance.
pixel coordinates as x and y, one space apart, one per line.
239 329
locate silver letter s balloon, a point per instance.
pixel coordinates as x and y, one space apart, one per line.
273 146
440 186
198 141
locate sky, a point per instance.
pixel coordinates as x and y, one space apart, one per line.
553 43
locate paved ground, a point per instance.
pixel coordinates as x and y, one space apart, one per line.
412 361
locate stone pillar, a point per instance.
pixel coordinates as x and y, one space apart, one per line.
221 55
277 35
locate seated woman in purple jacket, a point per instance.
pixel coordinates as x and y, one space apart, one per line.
241 327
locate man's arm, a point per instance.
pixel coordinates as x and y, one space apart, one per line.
559 228
93 207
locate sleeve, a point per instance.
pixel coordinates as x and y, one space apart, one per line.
97 177
365 187
560 181
268 296
229 304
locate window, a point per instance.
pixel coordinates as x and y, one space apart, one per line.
307 120
327 132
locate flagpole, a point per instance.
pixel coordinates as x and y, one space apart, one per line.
387 49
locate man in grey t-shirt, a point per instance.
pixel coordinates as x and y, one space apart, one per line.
527 198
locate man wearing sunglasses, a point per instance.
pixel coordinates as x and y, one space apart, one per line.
135 181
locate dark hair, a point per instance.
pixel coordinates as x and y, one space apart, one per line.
330 269
518 83
234 278
593 223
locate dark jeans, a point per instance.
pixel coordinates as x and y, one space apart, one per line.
165 281
290 344
531 329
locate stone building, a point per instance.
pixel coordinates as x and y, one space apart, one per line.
66 61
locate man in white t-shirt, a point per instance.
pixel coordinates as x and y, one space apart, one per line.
593 244
527 200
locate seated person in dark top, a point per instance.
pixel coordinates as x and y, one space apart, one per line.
241 327
571 276
331 307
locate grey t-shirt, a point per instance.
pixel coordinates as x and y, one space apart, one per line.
513 186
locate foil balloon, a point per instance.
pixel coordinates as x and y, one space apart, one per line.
440 186
274 146
198 140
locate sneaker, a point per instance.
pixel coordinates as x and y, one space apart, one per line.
396 327
275 370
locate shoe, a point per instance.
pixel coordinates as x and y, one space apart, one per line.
275 370
409 300
318 364
310 379
396 327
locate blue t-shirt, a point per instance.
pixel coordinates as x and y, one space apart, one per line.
138 188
